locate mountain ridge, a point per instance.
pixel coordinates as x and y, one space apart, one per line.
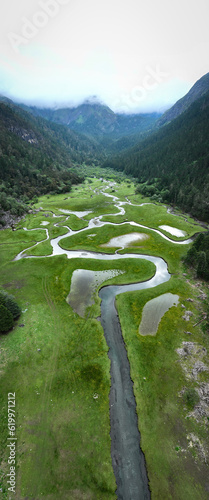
169 155
172 164
200 87
97 120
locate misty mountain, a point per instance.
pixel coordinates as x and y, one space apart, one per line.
168 155
98 121
197 91
172 164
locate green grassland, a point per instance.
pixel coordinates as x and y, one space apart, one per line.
81 198
155 215
57 363
63 443
154 245
175 469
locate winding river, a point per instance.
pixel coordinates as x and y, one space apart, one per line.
127 458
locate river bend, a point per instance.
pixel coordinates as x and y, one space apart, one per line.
127 458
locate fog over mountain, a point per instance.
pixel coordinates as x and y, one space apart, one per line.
135 57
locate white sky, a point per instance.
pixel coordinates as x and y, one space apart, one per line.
133 55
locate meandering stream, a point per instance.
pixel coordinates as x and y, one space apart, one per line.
127 458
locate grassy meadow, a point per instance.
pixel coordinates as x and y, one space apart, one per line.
57 364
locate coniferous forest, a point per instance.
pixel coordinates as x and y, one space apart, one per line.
172 164
37 157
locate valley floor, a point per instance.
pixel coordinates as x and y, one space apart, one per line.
56 360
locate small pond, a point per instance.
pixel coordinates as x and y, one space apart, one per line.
44 223
125 240
153 312
78 214
174 231
83 286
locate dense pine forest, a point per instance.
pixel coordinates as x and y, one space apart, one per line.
172 164
37 157
198 256
98 121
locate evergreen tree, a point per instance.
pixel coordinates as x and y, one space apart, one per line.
9 302
191 257
6 319
202 265
198 256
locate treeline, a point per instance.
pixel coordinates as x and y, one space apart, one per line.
9 311
198 256
55 140
98 121
172 165
37 157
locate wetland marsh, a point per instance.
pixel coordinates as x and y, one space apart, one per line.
58 363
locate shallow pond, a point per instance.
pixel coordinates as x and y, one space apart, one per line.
153 312
77 213
174 231
125 240
84 283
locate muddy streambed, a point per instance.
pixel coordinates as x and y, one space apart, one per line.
127 458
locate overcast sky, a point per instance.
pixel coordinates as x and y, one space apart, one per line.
133 55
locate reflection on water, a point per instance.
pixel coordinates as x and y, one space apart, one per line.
83 286
125 240
78 214
174 231
153 312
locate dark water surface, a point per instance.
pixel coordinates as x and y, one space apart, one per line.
127 457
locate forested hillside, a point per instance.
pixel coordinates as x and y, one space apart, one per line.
198 256
198 90
172 164
37 157
98 121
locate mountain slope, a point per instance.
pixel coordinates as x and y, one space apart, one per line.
37 157
97 120
197 91
76 143
173 163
